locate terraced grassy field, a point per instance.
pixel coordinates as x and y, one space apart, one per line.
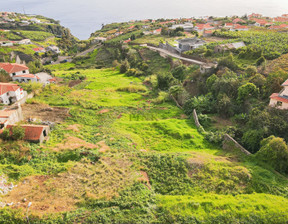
119 158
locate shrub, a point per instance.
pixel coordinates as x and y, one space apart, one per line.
260 61
204 120
132 89
162 97
251 140
18 133
134 72
124 66
274 152
203 104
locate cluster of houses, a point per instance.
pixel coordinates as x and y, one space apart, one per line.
20 73
9 43
13 94
12 115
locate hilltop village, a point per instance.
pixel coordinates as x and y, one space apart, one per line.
178 120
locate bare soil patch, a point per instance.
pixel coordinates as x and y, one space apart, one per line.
72 143
53 194
45 113
74 83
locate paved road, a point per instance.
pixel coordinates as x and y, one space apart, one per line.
83 53
176 55
70 58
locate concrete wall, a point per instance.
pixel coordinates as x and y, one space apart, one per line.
231 142
19 73
195 116
273 103
168 47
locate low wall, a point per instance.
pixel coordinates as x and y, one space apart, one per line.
195 116
194 58
228 139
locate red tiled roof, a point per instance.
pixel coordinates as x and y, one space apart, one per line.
32 132
285 83
238 20
127 41
275 96
27 76
13 67
7 87
237 26
52 80
228 24
38 49
204 26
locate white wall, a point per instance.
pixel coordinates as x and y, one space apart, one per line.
20 73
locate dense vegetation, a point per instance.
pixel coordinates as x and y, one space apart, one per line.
127 150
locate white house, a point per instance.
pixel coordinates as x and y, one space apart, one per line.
54 49
188 27
26 78
34 20
14 69
280 100
10 116
6 44
24 41
10 93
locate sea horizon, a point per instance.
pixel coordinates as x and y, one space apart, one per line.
85 17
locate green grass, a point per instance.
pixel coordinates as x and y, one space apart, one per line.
35 35
189 180
211 208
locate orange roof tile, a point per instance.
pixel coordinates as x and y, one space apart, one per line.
32 132
13 67
275 96
27 76
7 87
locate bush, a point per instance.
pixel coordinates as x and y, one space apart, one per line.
274 152
18 133
251 140
204 120
203 104
134 72
260 61
124 66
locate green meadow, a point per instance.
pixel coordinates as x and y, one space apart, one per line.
120 158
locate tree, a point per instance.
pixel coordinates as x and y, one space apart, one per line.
251 70
164 80
179 72
247 91
224 105
124 66
251 140
4 76
210 81
274 152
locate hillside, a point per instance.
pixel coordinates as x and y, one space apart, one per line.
124 146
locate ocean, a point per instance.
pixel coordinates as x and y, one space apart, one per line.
83 17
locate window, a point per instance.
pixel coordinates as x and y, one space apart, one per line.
14 74
279 104
24 71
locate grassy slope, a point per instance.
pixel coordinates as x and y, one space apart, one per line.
153 164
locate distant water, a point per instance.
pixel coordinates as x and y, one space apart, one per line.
86 16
